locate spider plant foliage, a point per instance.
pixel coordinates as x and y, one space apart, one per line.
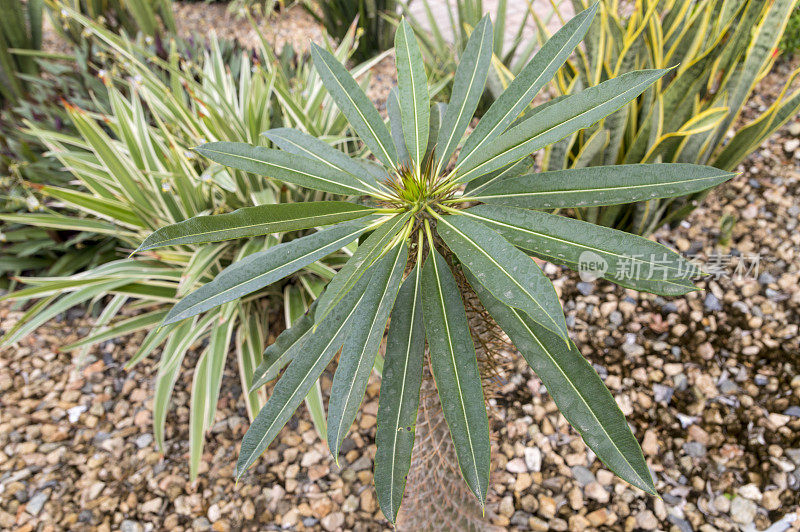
410 212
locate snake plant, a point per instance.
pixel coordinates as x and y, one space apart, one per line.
427 213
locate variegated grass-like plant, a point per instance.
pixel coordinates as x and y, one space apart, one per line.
412 210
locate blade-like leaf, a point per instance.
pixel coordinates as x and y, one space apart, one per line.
621 256
283 166
399 398
283 349
254 221
557 121
412 85
264 268
520 93
299 377
602 185
355 105
455 370
468 85
396 122
300 143
361 345
577 390
365 256
511 275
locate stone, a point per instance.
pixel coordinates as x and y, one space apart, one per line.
152 506
583 475
792 411
694 449
214 513
650 443
130 526
248 510
35 504
597 517
517 465
332 521
594 490
547 507
711 303
646 520
778 420
533 459
750 491
743 511
662 393
144 440
507 506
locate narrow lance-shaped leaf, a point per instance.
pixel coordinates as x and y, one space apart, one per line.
396 123
299 377
361 345
511 275
283 349
299 143
455 370
355 105
593 250
413 91
283 166
264 268
577 390
254 221
468 85
365 256
557 121
520 93
399 397
602 185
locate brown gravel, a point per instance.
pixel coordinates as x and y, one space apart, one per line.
711 386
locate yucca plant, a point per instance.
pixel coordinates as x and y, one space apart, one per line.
420 231
721 51
133 170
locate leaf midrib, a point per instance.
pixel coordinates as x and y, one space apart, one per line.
586 190
403 388
479 248
458 380
544 235
286 404
293 170
576 117
578 392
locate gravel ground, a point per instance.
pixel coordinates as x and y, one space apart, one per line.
710 383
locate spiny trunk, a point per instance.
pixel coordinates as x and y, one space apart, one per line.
436 495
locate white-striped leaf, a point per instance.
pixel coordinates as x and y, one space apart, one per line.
455 370
412 87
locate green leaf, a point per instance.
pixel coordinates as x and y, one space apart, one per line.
468 85
520 93
299 377
396 121
399 398
373 248
362 344
559 120
120 328
511 275
300 143
264 268
284 166
622 256
455 370
577 390
412 85
602 185
70 223
283 349
355 105
254 221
